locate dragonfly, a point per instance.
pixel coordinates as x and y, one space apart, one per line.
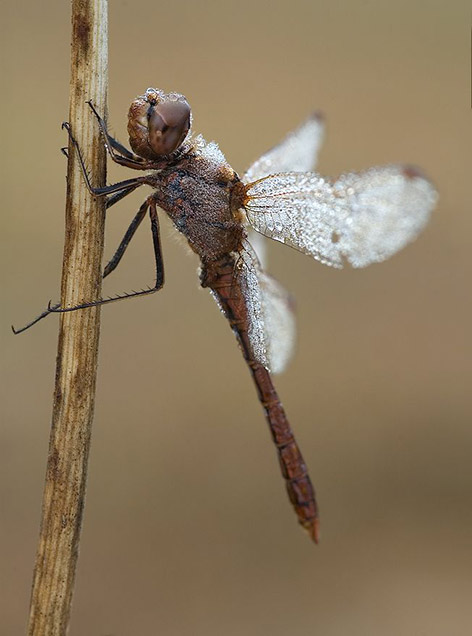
356 219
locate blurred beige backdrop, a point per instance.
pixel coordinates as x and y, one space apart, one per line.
187 526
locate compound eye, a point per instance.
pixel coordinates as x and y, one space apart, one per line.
169 123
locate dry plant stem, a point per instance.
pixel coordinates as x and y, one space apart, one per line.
76 369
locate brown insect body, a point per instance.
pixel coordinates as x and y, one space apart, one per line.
357 218
196 194
221 279
203 196
194 182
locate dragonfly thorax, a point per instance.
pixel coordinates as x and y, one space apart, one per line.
197 194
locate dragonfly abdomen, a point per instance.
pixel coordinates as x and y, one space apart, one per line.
292 465
227 290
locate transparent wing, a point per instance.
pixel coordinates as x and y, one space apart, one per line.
259 245
298 152
280 325
361 217
271 319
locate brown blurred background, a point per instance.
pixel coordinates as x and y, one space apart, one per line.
187 526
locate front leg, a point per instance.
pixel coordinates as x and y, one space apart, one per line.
127 185
126 157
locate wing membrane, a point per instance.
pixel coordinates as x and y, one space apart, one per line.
361 217
271 320
298 152
279 322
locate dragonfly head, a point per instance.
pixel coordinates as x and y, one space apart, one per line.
158 123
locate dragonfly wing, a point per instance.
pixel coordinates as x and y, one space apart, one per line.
259 245
360 217
298 152
279 321
270 314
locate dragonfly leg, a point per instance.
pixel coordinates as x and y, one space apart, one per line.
135 223
121 185
110 202
114 198
113 263
37 319
149 203
126 157
156 243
